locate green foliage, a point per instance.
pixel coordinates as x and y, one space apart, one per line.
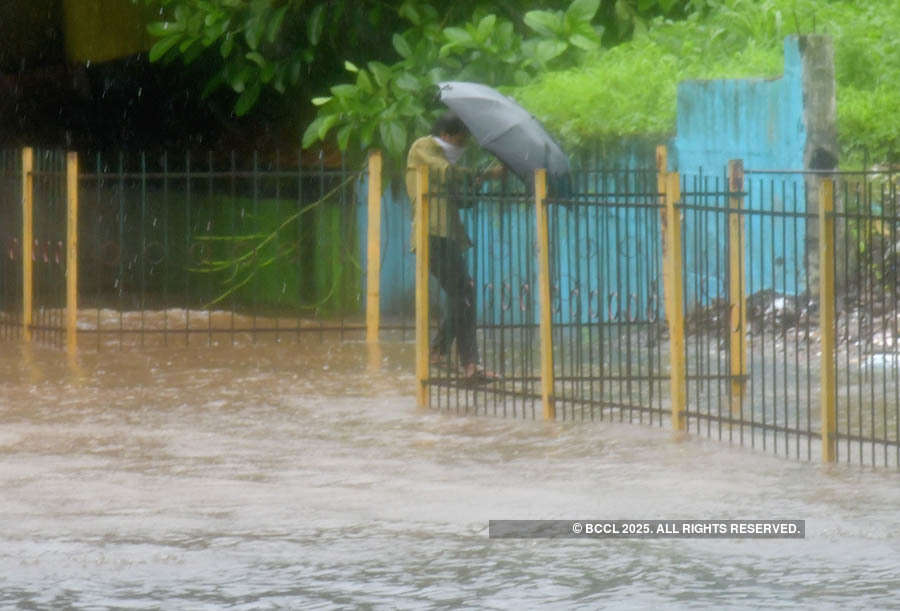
297 47
561 59
631 89
871 234
249 38
385 104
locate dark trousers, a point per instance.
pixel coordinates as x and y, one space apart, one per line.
448 266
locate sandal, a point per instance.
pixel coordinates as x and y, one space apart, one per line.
479 375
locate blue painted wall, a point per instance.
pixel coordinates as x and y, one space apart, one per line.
758 120
398 263
606 276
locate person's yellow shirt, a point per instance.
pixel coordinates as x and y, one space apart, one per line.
443 218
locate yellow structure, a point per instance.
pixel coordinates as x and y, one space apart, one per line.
546 311
422 255
102 30
373 250
737 287
675 302
71 251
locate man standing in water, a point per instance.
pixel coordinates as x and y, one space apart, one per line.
447 240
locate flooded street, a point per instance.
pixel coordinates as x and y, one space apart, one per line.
297 476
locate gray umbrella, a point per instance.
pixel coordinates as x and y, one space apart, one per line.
504 128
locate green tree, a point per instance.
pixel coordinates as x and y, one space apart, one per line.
393 52
383 103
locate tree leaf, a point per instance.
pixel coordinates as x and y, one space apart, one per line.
226 48
321 101
343 136
212 84
364 82
318 129
239 77
583 42
457 35
267 73
190 52
160 29
186 43
381 73
350 66
486 27
247 99
401 46
275 23
547 50
311 135
393 136
257 58
316 24
344 91
582 11
366 133
327 123
253 32
408 11
544 22
162 47
407 82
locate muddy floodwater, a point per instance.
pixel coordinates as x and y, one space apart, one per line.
292 476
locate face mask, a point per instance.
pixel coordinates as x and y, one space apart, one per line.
451 151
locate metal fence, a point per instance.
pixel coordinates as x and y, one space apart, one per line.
154 249
759 308
11 259
605 292
502 279
756 308
752 330
866 267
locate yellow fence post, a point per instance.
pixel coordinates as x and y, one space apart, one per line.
737 284
373 262
27 241
826 319
546 311
674 300
421 243
72 251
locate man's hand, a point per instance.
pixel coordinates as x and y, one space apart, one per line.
495 170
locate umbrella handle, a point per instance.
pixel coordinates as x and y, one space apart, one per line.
496 170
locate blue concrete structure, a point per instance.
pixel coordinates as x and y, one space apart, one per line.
398 263
762 121
602 276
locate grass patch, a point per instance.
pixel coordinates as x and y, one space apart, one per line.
631 89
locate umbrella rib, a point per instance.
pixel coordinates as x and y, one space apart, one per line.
499 135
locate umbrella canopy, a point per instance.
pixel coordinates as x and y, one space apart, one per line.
504 128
